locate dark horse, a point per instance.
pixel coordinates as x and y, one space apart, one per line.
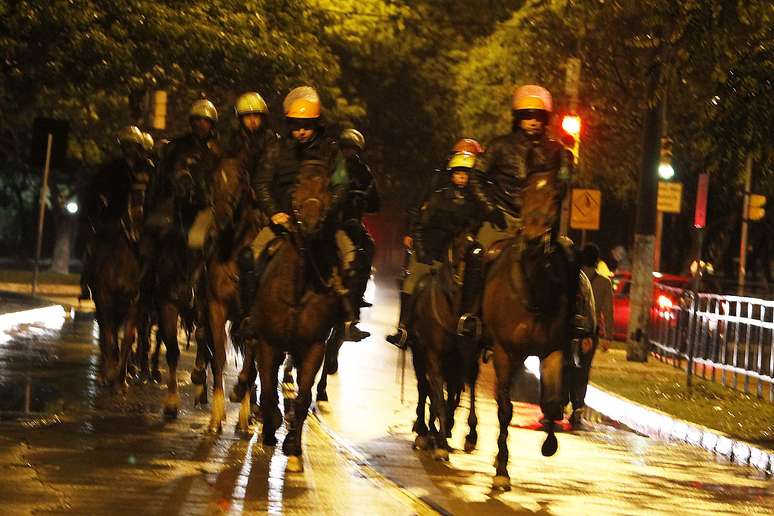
171 267
441 357
116 290
296 308
526 309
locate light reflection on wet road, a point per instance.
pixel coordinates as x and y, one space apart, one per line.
79 450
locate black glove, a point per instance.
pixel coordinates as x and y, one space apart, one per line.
497 218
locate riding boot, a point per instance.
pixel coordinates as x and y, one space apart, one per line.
400 337
351 318
469 324
248 284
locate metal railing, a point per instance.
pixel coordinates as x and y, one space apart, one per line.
722 338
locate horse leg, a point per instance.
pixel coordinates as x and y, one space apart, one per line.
453 395
217 336
437 404
423 388
155 372
322 385
267 369
310 364
130 334
199 372
104 343
551 398
287 376
472 438
168 330
503 372
143 346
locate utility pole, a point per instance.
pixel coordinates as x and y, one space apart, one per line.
571 89
644 238
659 213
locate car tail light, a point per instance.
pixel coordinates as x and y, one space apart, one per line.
664 302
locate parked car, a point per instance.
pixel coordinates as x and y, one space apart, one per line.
663 299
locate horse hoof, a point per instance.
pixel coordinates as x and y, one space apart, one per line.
170 412
550 445
295 464
237 393
441 454
501 483
421 443
200 395
470 445
198 376
156 376
322 396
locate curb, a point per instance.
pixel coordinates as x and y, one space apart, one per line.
659 425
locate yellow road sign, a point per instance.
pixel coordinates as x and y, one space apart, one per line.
585 209
670 194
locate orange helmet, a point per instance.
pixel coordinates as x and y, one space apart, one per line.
303 108
467 145
532 96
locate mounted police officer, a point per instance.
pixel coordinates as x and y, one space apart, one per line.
505 166
439 178
273 183
449 211
117 193
362 198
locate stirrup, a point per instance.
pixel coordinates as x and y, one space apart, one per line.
399 339
461 326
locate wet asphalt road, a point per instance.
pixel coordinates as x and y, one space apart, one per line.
68 447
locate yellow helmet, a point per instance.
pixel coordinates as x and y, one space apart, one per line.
532 96
353 138
147 142
462 160
303 108
130 134
205 109
250 103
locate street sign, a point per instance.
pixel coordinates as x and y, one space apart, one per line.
670 195
584 213
700 216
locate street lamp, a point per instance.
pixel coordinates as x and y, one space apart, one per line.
72 207
666 171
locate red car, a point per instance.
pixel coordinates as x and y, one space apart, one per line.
664 299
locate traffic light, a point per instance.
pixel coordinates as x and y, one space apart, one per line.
665 169
755 204
571 125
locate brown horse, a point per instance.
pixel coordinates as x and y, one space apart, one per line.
526 309
116 289
441 358
236 228
296 308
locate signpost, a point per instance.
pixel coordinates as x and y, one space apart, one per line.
699 221
670 195
54 133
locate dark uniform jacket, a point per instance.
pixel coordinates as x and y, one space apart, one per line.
362 197
507 163
251 148
448 212
113 187
274 179
438 179
189 159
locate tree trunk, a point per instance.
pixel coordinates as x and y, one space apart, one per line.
60 259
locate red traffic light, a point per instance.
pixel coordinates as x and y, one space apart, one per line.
571 124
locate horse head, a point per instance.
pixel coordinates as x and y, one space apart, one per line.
229 185
311 198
